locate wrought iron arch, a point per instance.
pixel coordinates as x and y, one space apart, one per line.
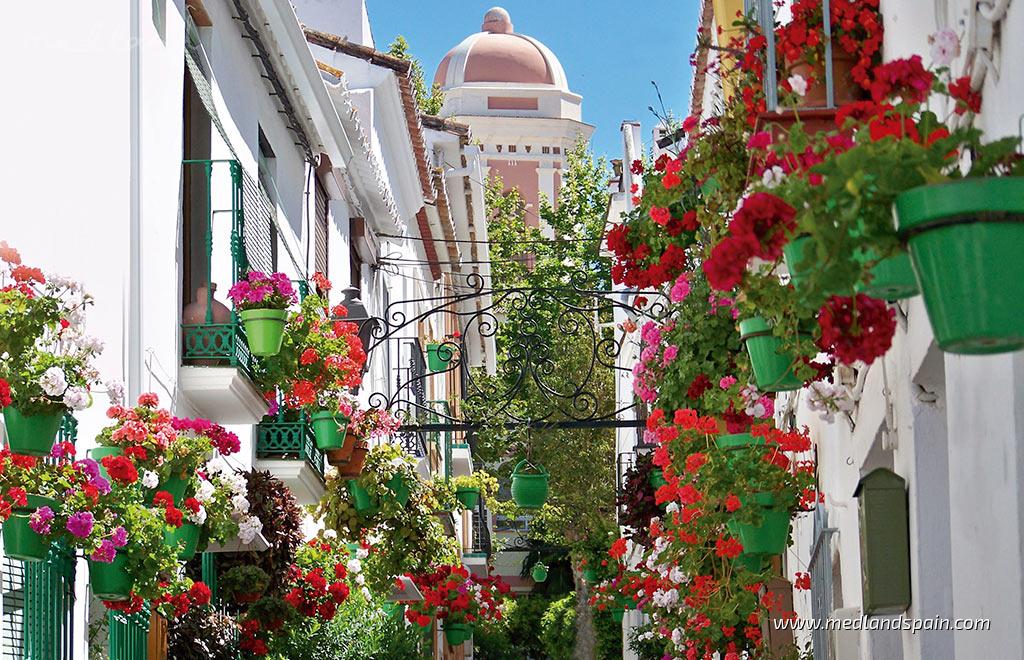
524 313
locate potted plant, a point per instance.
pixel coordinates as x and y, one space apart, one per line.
47 365
441 352
529 485
539 572
457 598
469 488
31 501
262 303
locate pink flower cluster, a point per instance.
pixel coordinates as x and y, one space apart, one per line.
261 291
224 441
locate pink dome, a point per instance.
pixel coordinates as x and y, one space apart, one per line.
498 55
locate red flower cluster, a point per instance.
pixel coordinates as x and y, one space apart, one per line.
760 228
966 98
906 78
452 593
856 28
172 514
5 393
312 594
120 469
637 266
856 328
224 441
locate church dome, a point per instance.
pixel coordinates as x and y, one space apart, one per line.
497 54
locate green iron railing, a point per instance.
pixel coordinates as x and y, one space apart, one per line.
279 438
224 343
435 436
129 635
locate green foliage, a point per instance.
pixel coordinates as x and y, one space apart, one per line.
480 479
430 100
244 580
558 628
516 635
609 636
362 630
202 634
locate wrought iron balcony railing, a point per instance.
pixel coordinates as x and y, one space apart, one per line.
481 530
281 439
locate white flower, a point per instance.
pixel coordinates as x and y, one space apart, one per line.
676 575
773 176
248 528
216 465
199 517
205 491
799 84
360 580
354 566
367 594
677 636
362 553
76 398
53 381
240 504
150 479
672 507
115 391
945 47
330 534
828 399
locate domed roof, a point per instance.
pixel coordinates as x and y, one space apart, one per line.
497 54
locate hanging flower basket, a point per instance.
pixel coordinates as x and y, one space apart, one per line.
329 431
363 502
457 633
185 538
618 614
771 536
589 575
99 453
772 371
965 239
529 489
539 572
264 330
177 486
751 562
354 466
20 540
111 581
468 497
33 435
344 454
439 358
399 489
734 442
892 279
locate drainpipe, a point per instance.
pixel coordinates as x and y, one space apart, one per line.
133 320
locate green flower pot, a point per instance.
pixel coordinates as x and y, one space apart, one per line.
800 261
539 573
457 633
99 453
438 359
468 497
33 435
966 239
891 279
264 330
399 489
733 443
618 614
361 499
657 478
185 538
529 490
20 540
771 536
177 486
111 581
589 575
395 611
329 429
772 371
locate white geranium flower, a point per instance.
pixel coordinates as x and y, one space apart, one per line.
216 465
240 504
248 528
151 479
773 176
199 517
672 507
799 84
827 400
53 382
205 491
354 566
115 391
76 398
362 553
330 534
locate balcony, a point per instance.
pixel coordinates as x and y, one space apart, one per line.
477 556
216 366
288 451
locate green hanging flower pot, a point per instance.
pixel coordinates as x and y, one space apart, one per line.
618 614
771 535
329 430
589 575
363 502
800 261
99 453
751 562
20 540
539 572
468 497
890 279
657 478
529 489
32 435
111 581
773 371
457 633
966 239
264 330
733 443
176 485
185 538
399 489
439 356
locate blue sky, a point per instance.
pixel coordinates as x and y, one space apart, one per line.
611 51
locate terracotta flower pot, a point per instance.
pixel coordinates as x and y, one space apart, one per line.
354 466
342 455
846 90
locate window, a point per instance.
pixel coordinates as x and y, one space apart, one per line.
320 228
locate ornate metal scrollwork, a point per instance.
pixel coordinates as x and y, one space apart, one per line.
530 321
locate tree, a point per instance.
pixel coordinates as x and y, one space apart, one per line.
429 99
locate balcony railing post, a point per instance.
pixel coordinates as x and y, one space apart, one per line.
208 171
826 19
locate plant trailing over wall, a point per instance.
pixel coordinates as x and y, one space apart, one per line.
203 634
637 501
